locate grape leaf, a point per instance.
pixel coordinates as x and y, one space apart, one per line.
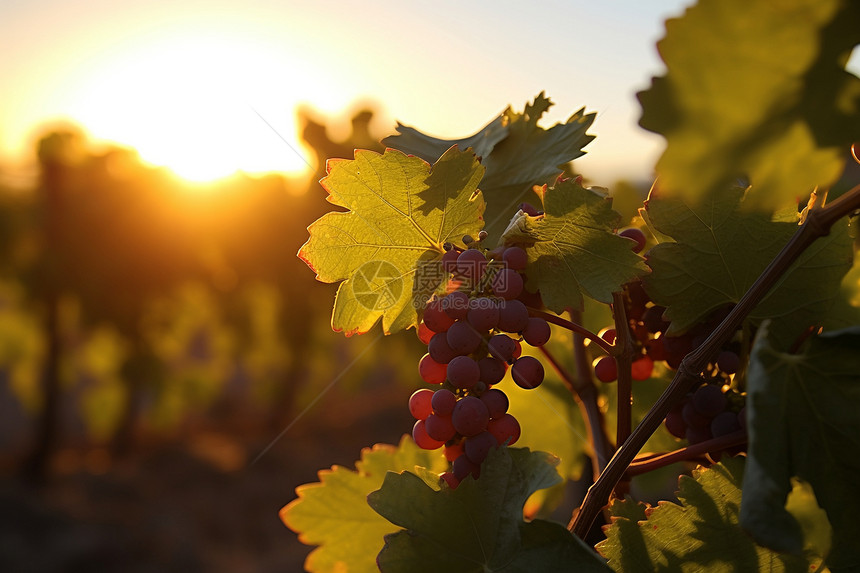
803 422
572 247
334 513
478 526
719 252
774 102
516 152
401 212
702 534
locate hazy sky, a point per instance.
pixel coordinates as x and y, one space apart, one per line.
183 81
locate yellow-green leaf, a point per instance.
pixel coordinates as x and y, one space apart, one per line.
387 246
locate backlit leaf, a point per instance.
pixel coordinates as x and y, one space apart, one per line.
701 534
516 152
756 89
386 248
334 513
572 248
803 422
720 250
479 526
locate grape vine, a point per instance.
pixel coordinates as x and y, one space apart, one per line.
527 287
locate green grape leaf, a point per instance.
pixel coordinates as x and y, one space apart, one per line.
572 248
803 422
386 248
720 251
774 102
478 526
516 152
334 514
701 534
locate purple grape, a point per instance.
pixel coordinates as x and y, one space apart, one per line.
463 338
693 418
456 305
653 319
513 316
709 400
697 435
508 284
443 402
463 372
728 361
470 416
477 447
636 235
492 370
725 423
529 209
527 372
515 258
463 467
483 314
439 428
503 347
471 264
675 423
536 332
496 401
439 350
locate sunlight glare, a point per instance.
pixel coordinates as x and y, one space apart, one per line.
191 103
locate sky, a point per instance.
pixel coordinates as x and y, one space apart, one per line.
208 88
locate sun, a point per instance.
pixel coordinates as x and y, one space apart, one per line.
203 105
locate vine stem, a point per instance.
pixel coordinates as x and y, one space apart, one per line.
818 223
624 361
685 454
585 395
572 326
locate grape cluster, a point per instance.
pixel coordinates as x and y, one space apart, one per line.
469 350
710 411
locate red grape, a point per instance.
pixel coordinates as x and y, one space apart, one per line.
435 318
471 264
642 368
505 428
424 441
431 371
419 404
605 369
424 333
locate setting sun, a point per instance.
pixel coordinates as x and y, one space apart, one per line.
195 104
